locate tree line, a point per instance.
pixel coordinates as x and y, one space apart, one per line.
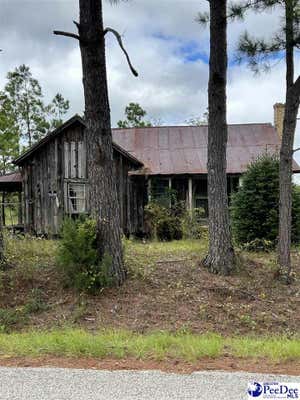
24 116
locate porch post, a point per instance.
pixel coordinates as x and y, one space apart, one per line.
190 195
20 209
170 187
149 189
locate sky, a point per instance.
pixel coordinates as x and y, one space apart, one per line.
167 46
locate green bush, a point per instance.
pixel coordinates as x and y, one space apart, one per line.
259 245
169 229
173 222
255 206
8 319
192 226
36 303
162 222
78 257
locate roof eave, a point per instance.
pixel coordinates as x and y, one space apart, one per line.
47 138
53 134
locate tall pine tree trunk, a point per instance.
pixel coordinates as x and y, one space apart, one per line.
2 257
286 152
221 257
102 190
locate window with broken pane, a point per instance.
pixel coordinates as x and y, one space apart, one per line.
77 198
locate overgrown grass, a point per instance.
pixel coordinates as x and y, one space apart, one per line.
276 348
157 345
28 252
142 258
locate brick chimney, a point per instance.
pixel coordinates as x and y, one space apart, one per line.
279 117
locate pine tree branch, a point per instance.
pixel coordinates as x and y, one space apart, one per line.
258 51
238 10
68 34
119 39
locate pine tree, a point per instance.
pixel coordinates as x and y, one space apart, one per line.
33 118
103 192
57 109
221 257
9 135
260 53
134 117
26 97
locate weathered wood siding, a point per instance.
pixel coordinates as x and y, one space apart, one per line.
61 162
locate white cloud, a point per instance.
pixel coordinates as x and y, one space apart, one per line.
167 87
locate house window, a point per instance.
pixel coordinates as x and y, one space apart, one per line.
200 194
77 198
160 190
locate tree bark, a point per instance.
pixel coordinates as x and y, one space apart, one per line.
286 151
102 190
2 256
221 257
3 208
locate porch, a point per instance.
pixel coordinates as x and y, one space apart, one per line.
11 203
190 189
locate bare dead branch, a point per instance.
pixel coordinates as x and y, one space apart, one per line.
119 39
294 151
68 34
77 24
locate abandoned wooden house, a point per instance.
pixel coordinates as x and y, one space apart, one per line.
55 180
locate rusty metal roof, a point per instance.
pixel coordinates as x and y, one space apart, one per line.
14 177
76 119
169 150
11 182
183 149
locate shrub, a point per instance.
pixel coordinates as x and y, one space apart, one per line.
8 319
259 245
255 206
169 228
36 303
173 222
162 223
78 257
191 223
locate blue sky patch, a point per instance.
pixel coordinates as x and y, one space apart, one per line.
188 50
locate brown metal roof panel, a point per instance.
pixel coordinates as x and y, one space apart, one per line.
124 138
187 138
163 138
192 160
14 177
179 162
200 161
165 165
151 160
139 142
200 134
150 136
175 138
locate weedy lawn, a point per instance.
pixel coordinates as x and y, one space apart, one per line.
163 311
